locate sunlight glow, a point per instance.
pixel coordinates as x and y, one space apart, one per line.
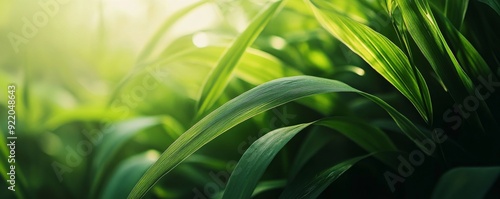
200 40
277 42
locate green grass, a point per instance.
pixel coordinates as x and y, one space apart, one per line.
255 99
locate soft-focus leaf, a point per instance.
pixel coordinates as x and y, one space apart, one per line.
112 139
169 22
313 186
264 186
366 136
314 141
494 4
455 11
466 182
127 174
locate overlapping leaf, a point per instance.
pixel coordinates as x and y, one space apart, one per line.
422 26
312 186
256 159
247 105
221 74
378 51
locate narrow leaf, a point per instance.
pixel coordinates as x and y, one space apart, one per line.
455 11
378 51
256 159
313 186
423 28
219 77
247 105
466 53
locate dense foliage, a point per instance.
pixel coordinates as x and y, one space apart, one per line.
251 99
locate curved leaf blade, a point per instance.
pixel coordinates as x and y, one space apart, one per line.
247 105
313 186
112 139
494 4
219 77
422 26
128 173
256 159
379 52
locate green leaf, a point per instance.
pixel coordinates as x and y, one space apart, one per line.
260 154
466 182
378 51
256 159
422 26
148 49
247 105
169 22
424 29
314 141
494 4
268 185
128 173
466 53
255 67
112 139
366 136
455 11
313 186
219 77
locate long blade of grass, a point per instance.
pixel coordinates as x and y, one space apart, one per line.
219 77
455 11
247 105
466 182
467 55
312 186
423 28
256 159
378 51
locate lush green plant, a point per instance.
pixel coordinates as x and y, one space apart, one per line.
330 98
